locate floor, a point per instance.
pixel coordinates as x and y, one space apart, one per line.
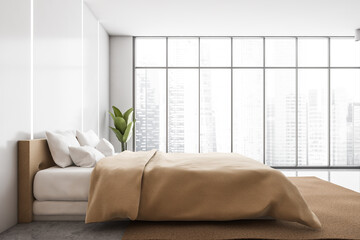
114 230
349 178
65 230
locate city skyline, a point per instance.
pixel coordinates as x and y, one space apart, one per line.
199 119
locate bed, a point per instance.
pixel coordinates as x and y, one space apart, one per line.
156 186
338 214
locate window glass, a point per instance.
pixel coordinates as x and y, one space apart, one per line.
345 52
183 110
248 52
183 52
313 117
150 111
215 110
280 52
280 119
345 117
215 52
150 52
313 52
248 112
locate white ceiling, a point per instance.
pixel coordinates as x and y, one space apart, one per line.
228 17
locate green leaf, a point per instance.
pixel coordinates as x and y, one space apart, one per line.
117 112
118 134
127 132
112 115
120 124
127 114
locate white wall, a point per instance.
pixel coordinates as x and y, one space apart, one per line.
104 83
14 99
121 75
57 65
66 68
62 85
96 76
90 71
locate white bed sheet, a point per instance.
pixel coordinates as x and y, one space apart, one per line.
62 184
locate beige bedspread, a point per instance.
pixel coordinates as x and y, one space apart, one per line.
156 186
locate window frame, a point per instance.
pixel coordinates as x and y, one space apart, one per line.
264 68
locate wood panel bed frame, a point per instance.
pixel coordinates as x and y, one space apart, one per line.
33 156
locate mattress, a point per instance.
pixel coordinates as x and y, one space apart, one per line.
62 184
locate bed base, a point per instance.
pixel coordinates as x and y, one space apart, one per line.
33 156
59 218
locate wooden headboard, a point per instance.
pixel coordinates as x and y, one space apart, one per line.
33 156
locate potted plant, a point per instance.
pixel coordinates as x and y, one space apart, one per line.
123 125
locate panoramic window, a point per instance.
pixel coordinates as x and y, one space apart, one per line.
284 101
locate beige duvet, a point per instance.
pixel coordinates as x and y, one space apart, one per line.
157 186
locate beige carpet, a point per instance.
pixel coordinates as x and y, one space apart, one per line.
337 208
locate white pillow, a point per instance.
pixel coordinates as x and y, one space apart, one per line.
85 156
88 138
105 147
59 143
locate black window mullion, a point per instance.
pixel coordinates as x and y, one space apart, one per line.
296 105
199 103
329 105
232 99
264 105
